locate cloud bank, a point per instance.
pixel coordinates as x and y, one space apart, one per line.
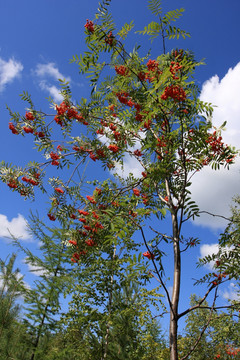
9 70
17 227
50 69
213 190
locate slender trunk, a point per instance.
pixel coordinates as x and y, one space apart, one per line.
46 308
173 329
35 344
106 339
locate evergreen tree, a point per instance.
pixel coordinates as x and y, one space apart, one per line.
42 301
12 287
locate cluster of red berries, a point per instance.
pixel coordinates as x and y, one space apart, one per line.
32 181
161 142
174 68
175 92
91 199
121 70
51 217
64 110
12 128
12 184
110 39
219 278
178 54
28 129
137 192
114 148
89 26
99 152
149 255
54 157
216 144
153 70
138 153
152 65
229 351
76 255
232 351
116 134
59 190
218 148
124 99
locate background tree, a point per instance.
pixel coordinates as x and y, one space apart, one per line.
220 338
12 287
42 301
121 328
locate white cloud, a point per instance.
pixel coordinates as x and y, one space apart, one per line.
210 249
130 165
213 190
9 70
17 227
206 250
53 91
46 73
50 69
231 293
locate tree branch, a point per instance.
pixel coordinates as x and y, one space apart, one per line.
198 305
154 264
203 330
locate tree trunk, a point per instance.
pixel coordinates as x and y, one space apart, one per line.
106 339
173 329
36 342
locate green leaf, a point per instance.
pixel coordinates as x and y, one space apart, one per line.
152 29
155 7
125 30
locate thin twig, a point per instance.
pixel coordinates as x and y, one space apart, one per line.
198 305
154 264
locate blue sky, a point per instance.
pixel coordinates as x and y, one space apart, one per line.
37 40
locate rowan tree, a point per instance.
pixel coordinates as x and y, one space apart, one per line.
148 109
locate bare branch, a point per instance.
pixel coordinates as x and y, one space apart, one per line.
215 215
198 305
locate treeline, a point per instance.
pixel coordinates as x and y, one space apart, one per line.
111 314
